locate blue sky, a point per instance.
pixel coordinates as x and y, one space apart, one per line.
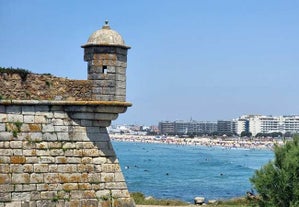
207 60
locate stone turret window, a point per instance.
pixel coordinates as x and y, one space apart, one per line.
105 69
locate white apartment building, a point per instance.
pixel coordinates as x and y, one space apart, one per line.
242 124
291 124
268 124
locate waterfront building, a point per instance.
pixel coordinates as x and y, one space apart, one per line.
268 124
291 124
226 127
167 127
206 127
183 127
254 124
242 125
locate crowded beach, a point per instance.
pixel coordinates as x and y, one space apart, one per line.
225 142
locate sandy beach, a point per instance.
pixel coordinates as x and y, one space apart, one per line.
226 142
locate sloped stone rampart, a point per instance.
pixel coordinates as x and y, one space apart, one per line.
43 87
59 155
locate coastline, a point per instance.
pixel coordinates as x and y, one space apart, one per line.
134 169
227 142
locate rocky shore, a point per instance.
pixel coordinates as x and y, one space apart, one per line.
227 142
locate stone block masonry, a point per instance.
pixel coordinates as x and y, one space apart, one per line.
56 153
43 87
107 68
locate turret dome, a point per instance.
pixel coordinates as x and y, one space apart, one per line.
105 37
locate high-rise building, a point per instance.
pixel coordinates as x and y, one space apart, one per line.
206 127
183 127
167 127
268 124
242 125
225 127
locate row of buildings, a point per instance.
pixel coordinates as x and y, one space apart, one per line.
195 127
248 124
256 124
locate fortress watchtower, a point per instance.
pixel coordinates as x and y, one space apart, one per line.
106 55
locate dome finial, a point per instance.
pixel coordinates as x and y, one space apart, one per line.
106 25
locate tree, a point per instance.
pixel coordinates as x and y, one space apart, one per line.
288 134
261 134
275 134
246 134
278 181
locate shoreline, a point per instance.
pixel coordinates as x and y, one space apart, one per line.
228 142
228 145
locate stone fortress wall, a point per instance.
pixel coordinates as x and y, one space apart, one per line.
54 145
59 155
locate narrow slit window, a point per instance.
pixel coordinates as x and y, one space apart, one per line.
105 69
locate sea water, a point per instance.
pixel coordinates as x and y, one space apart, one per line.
184 172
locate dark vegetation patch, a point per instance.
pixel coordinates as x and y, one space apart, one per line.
22 72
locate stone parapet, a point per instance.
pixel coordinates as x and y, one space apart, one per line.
66 103
43 87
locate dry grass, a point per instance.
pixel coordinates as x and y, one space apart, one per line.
140 200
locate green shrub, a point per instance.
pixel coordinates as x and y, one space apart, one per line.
48 83
140 199
236 202
22 72
278 181
18 124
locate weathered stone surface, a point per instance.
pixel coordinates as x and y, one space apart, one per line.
20 178
13 109
39 119
6 136
28 110
54 145
16 144
29 119
2 109
4 188
5 178
45 87
15 118
6 152
5 197
36 178
17 196
4 168
2 127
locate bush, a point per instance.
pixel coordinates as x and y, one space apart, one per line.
236 202
140 199
22 72
278 181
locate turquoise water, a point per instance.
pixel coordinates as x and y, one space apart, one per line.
184 172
